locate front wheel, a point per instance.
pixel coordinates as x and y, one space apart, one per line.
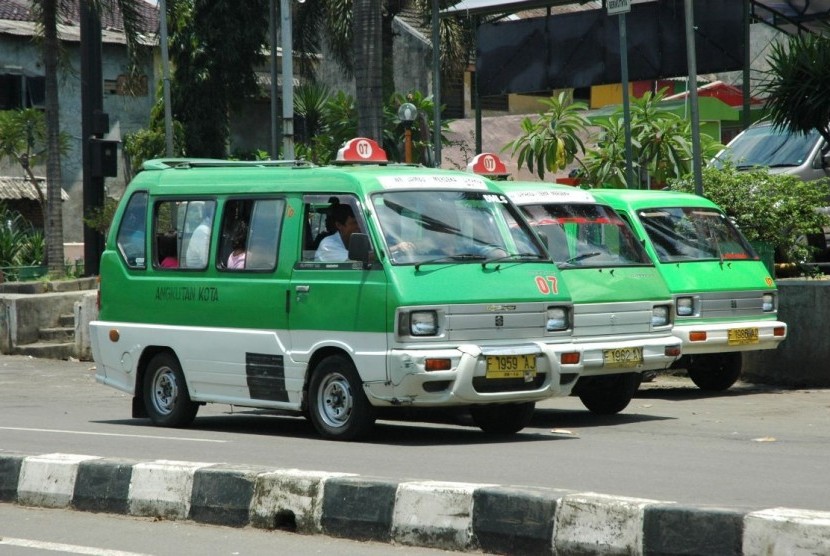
715 372
502 418
166 397
338 407
609 394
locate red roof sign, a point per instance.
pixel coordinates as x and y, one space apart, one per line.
487 164
361 149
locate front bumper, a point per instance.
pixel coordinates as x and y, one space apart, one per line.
717 336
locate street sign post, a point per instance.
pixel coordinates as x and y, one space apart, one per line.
616 7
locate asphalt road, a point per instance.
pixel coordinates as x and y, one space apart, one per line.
751 447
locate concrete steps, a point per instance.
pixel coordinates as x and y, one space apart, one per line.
54 342
48 350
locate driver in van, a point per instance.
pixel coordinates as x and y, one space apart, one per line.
334 248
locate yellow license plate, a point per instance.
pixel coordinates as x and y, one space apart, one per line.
742 336
622 357
511 366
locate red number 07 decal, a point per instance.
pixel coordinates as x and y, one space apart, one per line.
547 284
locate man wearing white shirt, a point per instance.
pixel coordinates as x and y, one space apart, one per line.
334 248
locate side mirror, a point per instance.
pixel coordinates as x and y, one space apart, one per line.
359 248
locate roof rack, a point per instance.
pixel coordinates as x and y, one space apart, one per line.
168 163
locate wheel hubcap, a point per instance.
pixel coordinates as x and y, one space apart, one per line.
165 391
335 400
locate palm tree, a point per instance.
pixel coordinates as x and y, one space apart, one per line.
46 14
799 78
358 35
368 67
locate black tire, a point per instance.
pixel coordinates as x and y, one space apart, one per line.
502 418
715 372
166 397
609 394
337 405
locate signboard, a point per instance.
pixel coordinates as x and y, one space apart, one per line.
616 7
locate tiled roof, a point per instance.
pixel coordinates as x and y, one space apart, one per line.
21 188
20 10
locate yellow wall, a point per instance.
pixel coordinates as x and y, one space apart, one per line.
603 95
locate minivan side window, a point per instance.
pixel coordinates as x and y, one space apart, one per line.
322 242
250 234
132 232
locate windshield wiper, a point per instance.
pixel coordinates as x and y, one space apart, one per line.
514 257
461 257
582 257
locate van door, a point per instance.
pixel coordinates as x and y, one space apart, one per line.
334 302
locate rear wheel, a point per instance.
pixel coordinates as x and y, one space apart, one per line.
338 407
609 394
502 418
715 371
166 397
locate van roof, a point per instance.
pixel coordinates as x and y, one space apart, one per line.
215 176
529 192
645 198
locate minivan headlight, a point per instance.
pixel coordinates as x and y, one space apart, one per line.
557 319
768 302
685 306
423 323
660 315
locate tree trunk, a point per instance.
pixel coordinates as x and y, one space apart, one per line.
368 48
54 222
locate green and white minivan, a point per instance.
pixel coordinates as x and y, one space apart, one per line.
443 296
725 300
617 292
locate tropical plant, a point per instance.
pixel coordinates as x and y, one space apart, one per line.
150 142
663 147
33 249
47 13
777 209
14 230
349 27
552 141
214 47
23 140
797 84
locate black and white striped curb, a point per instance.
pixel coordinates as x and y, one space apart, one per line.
452 516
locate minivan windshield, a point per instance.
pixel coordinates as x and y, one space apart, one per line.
687 234
438 226
767 146
581 234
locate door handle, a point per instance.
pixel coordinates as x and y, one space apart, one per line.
302 289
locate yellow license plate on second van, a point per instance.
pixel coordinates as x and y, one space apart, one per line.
623 357
742 336
511 366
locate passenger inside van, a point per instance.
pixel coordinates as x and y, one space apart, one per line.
196 253
239 239
334 248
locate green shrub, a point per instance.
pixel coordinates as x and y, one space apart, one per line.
779 209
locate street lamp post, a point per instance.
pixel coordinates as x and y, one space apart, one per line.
407 114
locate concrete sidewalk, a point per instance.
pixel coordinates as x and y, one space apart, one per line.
452 516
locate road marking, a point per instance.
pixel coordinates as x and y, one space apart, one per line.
70 548
116 434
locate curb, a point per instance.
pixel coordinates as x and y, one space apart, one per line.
450 516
